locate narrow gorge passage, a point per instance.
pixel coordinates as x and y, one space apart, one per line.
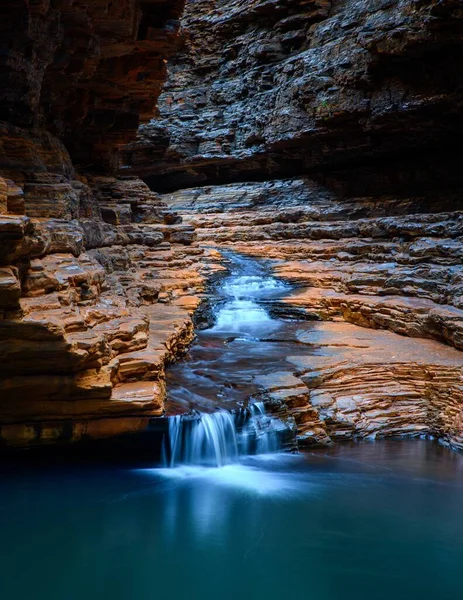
322 382
231 300
227 357
215 391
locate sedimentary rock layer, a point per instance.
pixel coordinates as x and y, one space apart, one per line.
91 314
343 116
358 383
85 72
97 281
323 135
365 95
369 262
380 262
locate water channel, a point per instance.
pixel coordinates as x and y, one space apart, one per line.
229 514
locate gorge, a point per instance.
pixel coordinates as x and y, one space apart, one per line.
322 135
231 295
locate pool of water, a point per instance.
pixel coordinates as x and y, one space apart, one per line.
228 519
375 520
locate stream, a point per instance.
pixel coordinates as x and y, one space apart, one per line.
214 385
221 365
229 514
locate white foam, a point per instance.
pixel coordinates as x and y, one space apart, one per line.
238 315
239 476
251 285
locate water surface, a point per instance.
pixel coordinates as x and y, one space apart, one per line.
369 521
244 341
374 520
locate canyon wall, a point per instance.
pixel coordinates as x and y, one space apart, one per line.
97 280
322 134
364 95
325 136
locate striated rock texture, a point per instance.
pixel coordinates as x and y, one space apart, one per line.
97 278
85 72
378 263
321 134
381 263
324 135
363 94
358 383
91 315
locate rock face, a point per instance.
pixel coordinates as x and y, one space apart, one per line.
364 95
359 383
86 72
97 278
93 305
321 134
378 263
324 135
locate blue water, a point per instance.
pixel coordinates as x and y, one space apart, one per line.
369 521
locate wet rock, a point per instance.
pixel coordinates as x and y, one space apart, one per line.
357 383
381 263
100 275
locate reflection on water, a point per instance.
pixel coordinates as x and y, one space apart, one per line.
375 520
371 521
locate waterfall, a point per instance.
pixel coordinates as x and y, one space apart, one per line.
260 433
220 438
242 313
240 316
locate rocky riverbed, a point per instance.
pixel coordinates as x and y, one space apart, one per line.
321 135
329 381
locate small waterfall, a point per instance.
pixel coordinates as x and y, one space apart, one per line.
203 439
260 433
242 313
220 438
240 316
240 286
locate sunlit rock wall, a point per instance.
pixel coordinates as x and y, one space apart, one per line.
325 135
90 308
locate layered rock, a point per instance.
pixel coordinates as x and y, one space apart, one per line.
377 263
364 95
323 136
97 281
91 314
85 72
358 383
341 116
367 260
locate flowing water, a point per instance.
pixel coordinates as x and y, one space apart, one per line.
228 516
214 384
221 438
221 365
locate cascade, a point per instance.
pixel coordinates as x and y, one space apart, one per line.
221 437
241 312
